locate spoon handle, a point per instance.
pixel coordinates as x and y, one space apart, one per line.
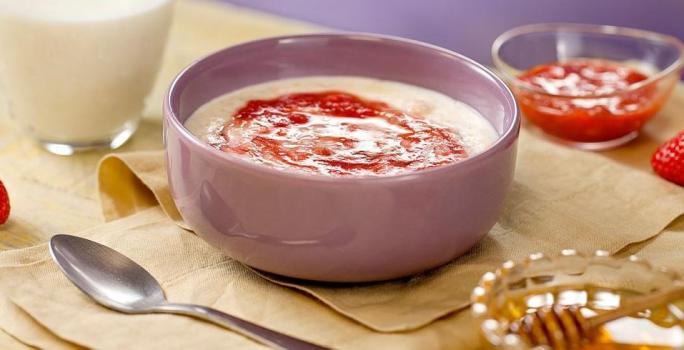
260 334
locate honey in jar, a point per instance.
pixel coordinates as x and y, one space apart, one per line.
596 283
660 328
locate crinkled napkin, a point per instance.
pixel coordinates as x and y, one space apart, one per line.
560 198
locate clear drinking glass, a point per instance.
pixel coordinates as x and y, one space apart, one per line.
75 73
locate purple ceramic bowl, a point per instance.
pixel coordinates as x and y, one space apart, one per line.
343 229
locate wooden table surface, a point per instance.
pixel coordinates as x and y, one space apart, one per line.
53 194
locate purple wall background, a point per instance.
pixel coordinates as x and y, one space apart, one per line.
470 26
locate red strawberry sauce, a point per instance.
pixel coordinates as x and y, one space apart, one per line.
337 133
587 100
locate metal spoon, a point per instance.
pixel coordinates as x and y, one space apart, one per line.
120 284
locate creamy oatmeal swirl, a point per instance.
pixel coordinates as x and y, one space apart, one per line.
342 125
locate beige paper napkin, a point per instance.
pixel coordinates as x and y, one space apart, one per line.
561 198
189 271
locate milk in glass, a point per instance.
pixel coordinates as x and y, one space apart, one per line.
75 73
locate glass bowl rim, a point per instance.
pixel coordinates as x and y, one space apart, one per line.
503 68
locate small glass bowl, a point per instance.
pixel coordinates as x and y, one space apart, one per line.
596 283
590 122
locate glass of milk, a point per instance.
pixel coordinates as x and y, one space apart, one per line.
75 73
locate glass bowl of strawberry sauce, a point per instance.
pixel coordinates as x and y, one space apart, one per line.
588 86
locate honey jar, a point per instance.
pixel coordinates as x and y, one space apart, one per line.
595 283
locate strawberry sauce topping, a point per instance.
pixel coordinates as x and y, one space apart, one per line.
568 108
336 133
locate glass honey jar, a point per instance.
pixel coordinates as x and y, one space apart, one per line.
595 283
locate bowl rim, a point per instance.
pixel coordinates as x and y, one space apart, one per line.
508 136
503 68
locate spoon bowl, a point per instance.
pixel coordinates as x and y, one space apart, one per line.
107 276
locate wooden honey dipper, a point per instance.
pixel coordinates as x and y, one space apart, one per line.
564 327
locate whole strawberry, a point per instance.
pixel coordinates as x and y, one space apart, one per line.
4 204
668 160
